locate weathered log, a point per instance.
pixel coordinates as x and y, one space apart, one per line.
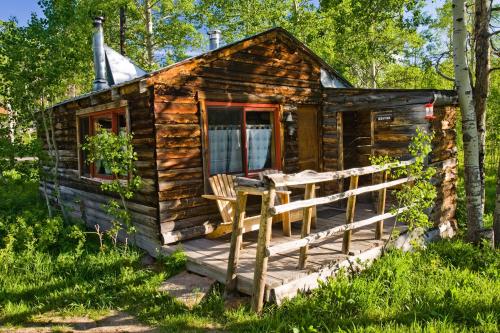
335 197
312 238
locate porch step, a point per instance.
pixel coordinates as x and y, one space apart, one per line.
187 288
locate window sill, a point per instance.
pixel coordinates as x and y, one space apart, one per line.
97 180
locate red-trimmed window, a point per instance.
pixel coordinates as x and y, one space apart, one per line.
112 120
242 138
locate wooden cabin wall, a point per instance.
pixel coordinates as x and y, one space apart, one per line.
444 159
182 210
269 72
83 196
291 146
391 137
332 138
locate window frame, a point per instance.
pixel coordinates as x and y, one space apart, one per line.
247 107
92 114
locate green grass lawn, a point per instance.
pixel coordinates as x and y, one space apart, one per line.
48 267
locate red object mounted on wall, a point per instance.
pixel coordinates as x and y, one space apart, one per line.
429 111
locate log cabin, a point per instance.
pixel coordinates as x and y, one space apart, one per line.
265 102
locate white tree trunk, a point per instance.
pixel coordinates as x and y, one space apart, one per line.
469 124
149 32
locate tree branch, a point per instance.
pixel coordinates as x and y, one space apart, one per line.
493 69
436 66
491 34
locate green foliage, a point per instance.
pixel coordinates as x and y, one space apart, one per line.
353 36
24 145
448 287
117 153
383 43
175 262
492 120
361 38
419 194
46 265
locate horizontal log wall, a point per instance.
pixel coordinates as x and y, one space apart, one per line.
272 71
77 191
291 146
89 207
403 112
331 156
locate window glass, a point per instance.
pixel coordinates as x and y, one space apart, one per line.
259 135
105 122
122 124
112 121
224 140
84 132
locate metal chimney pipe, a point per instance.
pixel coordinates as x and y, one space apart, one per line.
100 81
214 37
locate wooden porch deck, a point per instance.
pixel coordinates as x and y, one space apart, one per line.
209 257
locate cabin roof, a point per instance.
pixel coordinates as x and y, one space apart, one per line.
390 96
214 53
120 69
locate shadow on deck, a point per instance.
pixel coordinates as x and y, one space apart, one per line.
209 257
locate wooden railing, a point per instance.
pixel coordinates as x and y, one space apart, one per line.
267 190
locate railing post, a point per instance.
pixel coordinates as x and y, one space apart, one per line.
306 224
265 229
379 232
236 241
351 207
287 225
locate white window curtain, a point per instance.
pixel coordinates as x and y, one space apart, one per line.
259 138
225 149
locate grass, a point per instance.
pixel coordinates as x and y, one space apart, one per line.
49 267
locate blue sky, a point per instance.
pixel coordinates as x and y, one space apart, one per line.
21 9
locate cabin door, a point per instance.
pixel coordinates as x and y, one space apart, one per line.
307 135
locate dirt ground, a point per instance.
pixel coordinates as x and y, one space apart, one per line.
113 322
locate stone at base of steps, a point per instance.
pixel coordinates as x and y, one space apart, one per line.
187 288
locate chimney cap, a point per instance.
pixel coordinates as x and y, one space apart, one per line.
214 32
98 20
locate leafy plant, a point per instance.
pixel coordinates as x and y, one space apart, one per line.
117 153
419 194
